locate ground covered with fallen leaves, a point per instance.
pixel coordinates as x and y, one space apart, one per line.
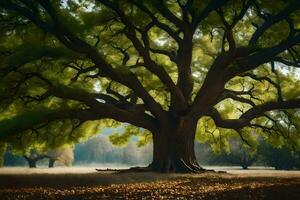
112 185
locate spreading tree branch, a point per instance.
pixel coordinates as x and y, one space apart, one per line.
254 112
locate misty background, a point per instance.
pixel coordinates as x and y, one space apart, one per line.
98 151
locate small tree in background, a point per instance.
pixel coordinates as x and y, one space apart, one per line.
62 155
35 147
242 157
33 157
281 158
237 154
2 152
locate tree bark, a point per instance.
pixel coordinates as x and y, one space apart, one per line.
173 148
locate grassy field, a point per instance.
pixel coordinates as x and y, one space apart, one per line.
84 183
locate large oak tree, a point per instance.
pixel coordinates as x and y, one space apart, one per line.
161 65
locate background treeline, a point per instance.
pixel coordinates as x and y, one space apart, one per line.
99 150
281 158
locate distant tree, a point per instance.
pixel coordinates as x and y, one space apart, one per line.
13 160
33 157
62 155
238 153
38 146
241 154
169 67
204 154
2 153
241 157
96 149
282 158
34 152
127 155
100 150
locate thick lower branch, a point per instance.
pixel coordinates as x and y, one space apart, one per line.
251 114
29 120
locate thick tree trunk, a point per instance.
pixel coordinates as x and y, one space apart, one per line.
173 148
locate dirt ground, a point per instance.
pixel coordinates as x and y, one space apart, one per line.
74 184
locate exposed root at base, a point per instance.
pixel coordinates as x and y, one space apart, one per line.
132 169
150 169
107 169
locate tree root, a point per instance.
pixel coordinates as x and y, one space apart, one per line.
132 169
107 169
196 169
